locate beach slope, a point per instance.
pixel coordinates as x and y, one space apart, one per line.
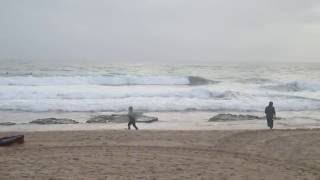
121 154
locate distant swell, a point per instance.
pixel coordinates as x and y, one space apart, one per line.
296 86
102 80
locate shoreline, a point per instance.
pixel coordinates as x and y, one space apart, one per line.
167 121
123 127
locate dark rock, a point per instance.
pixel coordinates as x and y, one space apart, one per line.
54 121
100 119
146 119
7 124
232 117
121 118
191 109
196 80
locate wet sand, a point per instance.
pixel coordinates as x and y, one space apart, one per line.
159 154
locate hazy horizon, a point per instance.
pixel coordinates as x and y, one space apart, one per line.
150 31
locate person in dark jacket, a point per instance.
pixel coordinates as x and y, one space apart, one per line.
270 113
132 118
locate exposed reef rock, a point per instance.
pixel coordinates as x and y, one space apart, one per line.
7 123
54 121
121 118
233 117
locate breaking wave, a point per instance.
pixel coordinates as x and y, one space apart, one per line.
110 92
103 80
68 92
296 86
145 98
153 104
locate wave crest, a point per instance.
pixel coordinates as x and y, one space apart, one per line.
103 80
197 80
296 86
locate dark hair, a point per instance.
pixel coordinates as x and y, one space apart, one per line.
270 103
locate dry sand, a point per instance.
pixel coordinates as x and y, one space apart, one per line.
120 154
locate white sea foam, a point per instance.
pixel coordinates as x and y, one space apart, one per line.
175 90
296 86
101 80
108 92
146 98
154 104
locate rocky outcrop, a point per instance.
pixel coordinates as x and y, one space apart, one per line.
121 118
146 119
7 123
54 121
196 80
100 119
233 117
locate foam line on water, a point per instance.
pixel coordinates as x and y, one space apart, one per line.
102 80
155 104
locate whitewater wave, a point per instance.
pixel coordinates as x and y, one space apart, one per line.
103 80
115 92
111 92
154 104
256 80
145 98
295 86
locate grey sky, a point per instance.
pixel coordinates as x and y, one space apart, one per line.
160 30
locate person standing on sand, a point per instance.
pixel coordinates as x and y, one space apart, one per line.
270 113
132 118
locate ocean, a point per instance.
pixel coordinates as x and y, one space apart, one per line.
170 91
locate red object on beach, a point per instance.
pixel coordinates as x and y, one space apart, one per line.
6 141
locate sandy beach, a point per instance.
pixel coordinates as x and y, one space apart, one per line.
145 154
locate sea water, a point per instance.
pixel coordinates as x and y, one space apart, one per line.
173 92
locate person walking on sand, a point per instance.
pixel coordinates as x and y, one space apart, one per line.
132 118
270 113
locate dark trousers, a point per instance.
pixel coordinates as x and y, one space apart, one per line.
270 122
133 123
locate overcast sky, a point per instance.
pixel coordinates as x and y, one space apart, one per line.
160 30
